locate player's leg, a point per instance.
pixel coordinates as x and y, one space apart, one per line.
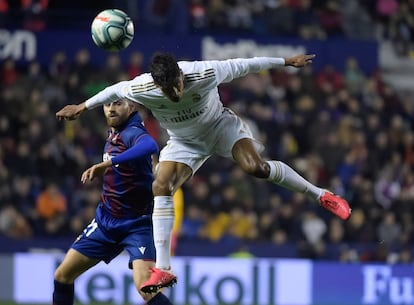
73 265
140 275
90 247
245 154
169 177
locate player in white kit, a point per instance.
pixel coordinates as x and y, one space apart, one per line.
184 98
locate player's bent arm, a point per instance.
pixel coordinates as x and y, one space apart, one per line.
145 146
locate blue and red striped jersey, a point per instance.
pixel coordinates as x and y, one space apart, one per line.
127 186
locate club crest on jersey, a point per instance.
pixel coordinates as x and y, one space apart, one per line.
114 138
107 157
196 97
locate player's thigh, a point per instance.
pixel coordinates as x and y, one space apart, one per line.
187 155
231 130
73 265
245 151
171 175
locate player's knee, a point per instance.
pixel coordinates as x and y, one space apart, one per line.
62 277
256 168
161 187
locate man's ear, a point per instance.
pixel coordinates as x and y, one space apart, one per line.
133 107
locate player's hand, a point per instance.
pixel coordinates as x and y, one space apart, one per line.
299 61
94 171
70 112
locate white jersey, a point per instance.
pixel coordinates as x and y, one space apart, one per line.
200 105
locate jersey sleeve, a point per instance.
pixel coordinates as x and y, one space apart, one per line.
142 146
227 70
110 94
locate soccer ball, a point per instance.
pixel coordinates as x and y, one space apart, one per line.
112 30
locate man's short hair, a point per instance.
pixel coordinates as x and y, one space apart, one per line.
164 69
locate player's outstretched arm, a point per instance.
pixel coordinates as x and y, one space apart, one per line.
299 61
71 112
96 170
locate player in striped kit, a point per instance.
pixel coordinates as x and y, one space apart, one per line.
123 217
184 97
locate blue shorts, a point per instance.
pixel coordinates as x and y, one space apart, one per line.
106 237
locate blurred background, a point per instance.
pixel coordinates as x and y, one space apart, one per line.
345 123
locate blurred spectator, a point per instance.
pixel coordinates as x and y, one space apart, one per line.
306 21
241 224
388 230
193 222
166 16
216 15
385 9
238 14
50 202
59 67
13 224
215 226
9 73
4 13
135 63
329 79
331 19
82 67
198 14
50 207
278 16
387 186
313 228
402 28
112 69
358 23
354 77
34 12
359 230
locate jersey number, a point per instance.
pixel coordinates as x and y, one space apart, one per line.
90 228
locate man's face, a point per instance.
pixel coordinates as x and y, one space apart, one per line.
117 113
175 90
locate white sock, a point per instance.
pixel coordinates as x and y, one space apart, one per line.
163 221
283 175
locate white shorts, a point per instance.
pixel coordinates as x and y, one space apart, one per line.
219 140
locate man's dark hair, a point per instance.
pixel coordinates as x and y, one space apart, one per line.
164 69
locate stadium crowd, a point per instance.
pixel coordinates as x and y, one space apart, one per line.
348 131
309 19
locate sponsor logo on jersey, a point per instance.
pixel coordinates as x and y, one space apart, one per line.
185 115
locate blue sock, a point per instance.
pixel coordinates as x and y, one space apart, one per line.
63 294
159 299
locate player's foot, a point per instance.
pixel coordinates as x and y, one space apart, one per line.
336 205
158 279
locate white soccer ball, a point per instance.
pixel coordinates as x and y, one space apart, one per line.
112 30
